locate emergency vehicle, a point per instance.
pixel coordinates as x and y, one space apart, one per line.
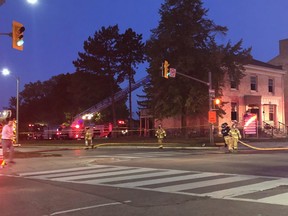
77 130
82 120
36 131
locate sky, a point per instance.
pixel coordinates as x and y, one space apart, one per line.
56 30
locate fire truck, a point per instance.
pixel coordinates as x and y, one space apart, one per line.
105 130
36 131
77 128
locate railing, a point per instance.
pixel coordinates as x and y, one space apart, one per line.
273 131
282 127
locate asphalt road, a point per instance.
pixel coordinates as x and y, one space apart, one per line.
146 182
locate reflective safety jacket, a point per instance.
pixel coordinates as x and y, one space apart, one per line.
160 133
235 133
88 134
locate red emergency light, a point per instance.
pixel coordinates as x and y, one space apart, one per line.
121 122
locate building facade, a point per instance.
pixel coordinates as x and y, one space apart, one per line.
282 60
260 93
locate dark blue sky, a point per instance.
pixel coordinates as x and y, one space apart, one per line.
56 30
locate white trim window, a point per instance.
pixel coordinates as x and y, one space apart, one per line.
253 83
270 85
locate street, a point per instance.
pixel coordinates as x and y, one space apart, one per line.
123 181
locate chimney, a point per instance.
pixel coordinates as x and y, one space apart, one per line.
283 47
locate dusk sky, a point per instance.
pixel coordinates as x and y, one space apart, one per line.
56 30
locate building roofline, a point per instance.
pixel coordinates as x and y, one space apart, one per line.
264 64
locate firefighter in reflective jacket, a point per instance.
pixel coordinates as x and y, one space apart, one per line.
160 134
235 136
225 133
88 138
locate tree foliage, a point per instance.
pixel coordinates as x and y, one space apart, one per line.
186 38
64 96
111 54
131 50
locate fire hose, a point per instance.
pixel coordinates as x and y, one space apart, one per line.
263 149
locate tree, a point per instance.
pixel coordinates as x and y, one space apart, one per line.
131 50
63 96
101 57
186 38
109 53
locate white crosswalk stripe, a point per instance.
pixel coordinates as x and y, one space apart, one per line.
215 185
142 155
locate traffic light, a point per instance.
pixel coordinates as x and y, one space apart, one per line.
17 35
217 101
165 69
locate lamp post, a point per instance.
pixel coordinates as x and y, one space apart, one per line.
6 72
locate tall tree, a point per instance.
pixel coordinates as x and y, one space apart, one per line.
131 50
186 38
101 57
64 95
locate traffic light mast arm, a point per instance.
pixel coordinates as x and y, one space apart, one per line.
8 34
190 77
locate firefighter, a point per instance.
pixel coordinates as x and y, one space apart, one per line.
88 138
225 133
160 134
235 136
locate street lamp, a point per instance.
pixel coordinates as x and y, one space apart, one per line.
32 1
6 72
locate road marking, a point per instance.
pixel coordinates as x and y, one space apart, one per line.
189 186
238 191
116 171
175 181
140 155
281 199
165 180
62 170
66 176
89 207
137 176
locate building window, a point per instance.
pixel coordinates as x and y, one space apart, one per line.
271 85
271 112
233 83
233 111
253 83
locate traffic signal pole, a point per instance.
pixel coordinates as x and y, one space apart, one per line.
211 125
210 90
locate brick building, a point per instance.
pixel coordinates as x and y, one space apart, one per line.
282 60
261 92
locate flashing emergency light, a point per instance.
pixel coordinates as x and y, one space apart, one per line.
121 122
88 116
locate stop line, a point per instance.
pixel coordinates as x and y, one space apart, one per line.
261 189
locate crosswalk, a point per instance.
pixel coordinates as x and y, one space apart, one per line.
142 155
261 189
